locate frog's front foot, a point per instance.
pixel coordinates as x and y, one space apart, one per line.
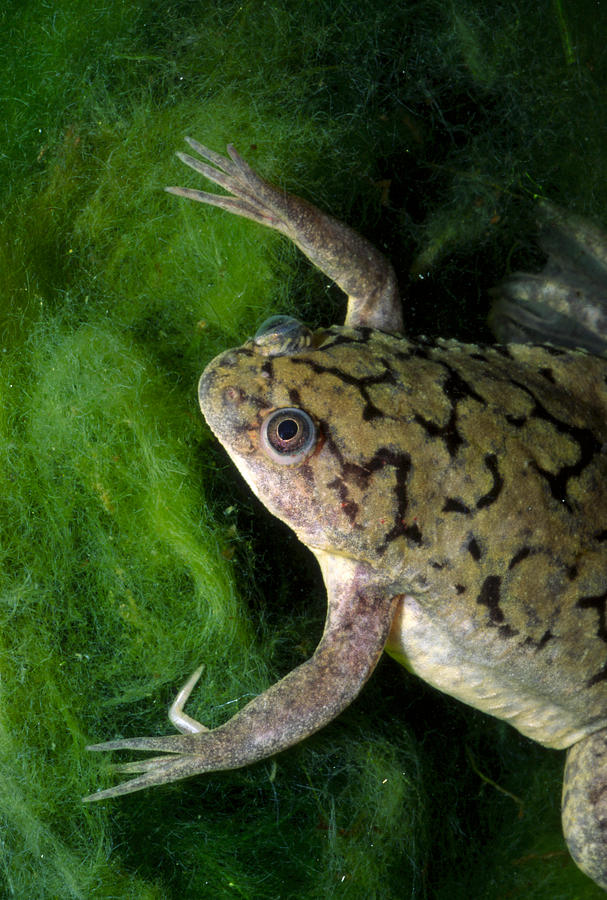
566 303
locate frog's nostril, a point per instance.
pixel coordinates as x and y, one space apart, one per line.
233 395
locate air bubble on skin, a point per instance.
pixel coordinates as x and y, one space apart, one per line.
281 336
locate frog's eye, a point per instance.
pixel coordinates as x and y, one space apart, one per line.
288 436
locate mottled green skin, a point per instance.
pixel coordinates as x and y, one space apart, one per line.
455 497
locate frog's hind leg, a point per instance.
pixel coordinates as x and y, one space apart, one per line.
584 809
566 303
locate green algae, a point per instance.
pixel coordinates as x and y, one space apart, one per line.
130 551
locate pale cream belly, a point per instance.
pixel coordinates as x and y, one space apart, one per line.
425 647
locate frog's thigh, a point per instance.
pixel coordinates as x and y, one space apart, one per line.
585 805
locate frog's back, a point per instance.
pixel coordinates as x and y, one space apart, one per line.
500 534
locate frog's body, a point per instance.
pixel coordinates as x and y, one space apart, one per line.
460 490
455 497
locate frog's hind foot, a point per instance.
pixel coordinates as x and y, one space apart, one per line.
584 809
182 722
158 769
566 303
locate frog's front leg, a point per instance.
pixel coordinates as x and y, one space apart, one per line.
358 622
585 805
353 263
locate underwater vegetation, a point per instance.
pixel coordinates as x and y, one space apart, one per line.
131 551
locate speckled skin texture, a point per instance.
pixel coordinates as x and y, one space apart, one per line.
585 804
454 495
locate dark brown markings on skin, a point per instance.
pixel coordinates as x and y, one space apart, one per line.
229 359
405 355
547 636
474 549
452 504
402 466
420 352
455 389
340 484
572 572
516 421
503 350
448 433
538 645
370 411
461 588
553 351
268 368
600 536
360 475
598 603
498 483
519 556
595 795
489 596
356 473
583 437
349 506
361 336
294 397
422 347
258 402
548 375
412 350
601 675
306 472
350 471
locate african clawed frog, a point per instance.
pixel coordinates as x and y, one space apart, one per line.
454 495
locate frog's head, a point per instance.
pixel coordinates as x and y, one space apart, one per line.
300 413
250 399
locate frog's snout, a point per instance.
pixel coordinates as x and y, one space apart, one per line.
205 385
208 383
